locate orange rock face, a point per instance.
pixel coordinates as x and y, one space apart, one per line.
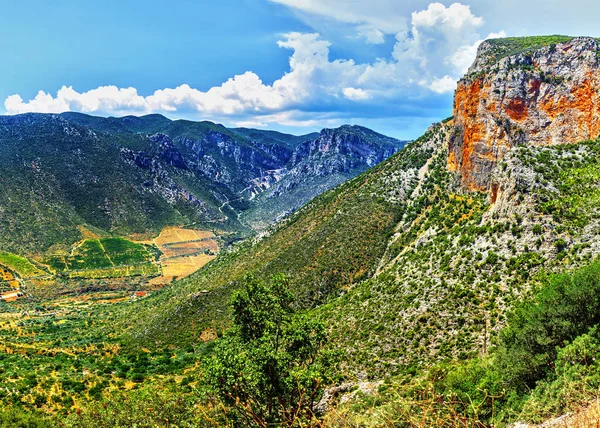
549 97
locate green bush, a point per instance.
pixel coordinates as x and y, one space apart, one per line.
576 378
147 407
18 418
268 368
565 308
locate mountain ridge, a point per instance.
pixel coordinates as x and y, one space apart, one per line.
193 172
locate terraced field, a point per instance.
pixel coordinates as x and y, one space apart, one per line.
184 251
106 258
99 264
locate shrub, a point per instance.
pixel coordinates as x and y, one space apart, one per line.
268 368
564 309
18 418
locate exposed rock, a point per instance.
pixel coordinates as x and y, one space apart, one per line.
550 96
346 392
315 166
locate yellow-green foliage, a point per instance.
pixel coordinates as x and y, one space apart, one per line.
509 46
144 269
105 254
20 265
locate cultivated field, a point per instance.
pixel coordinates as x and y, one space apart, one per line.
184 251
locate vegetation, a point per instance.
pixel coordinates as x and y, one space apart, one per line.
269 368
543 365
17 418
433 315
94 254
23 267
418 303
509 46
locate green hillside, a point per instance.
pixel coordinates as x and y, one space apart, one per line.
57 176
420 301
438 289
330 245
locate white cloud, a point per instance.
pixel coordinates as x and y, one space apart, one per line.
457 16
311 76
251 124
104 98
372 36
464 56
440 85
426 60
440 39
356 94
387 16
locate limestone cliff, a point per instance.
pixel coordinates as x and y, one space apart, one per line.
540 95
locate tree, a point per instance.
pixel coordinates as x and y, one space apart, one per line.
269 367
566 307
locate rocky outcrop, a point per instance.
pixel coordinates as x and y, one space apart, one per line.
343 149
546 96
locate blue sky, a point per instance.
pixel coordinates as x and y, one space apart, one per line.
291 65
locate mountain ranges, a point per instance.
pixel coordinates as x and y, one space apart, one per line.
413 267
132 176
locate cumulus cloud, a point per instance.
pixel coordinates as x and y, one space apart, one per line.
435 37
104 98
355 94
312 75
427 59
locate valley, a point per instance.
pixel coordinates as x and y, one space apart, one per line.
217 277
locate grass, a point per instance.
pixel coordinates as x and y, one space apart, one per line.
510 46
588 416
148 269
23 267
102 254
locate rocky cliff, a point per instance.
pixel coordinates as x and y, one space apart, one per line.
534 92
316 165
347 147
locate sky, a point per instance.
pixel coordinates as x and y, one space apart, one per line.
290 65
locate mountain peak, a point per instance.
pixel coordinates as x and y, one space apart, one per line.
492 51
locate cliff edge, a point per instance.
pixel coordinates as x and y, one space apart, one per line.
536 90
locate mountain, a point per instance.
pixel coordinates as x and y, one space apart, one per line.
317 165
133 176
458 280
420 258
537 95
